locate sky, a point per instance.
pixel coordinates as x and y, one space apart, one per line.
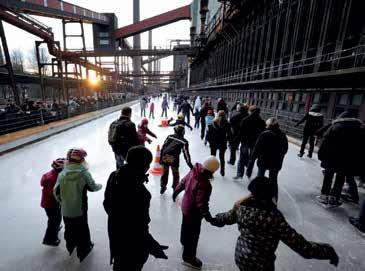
18 39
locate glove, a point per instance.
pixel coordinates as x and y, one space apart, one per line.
333 257
215 223
158 252
149 141
208 217
191 129
174 196
190 165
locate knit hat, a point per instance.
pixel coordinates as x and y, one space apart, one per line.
180 116
139 156
211 164
76 155
262 188
59 163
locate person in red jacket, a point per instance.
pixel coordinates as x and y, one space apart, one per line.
50 204
195 207
143 131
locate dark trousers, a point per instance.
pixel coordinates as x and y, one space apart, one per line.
152 114
189 237
143 112
245 154
222 151
129 263
165 176
362 214
187 117
164 111
77 234
273 177
353 191
311 139
327 188
203 126
234 147
53 225
197 119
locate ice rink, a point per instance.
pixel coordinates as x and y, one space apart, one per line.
23 222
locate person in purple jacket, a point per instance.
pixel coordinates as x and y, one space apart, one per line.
195 207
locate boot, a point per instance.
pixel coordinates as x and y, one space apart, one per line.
83 254
163 190
194 263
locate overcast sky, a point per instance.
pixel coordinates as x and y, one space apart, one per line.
18 39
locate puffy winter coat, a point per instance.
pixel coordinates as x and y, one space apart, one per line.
250 128
127 203
261 228
198 189
48 181
173 146
270 149
71 189
218 135
343 147
313 122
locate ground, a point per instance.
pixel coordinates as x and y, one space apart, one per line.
23 222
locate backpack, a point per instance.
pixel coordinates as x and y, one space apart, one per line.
115 137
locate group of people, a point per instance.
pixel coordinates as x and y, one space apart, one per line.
260 222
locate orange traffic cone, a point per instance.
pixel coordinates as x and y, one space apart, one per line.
157 168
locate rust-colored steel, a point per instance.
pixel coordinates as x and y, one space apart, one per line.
166 18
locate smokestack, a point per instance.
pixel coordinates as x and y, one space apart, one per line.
137 60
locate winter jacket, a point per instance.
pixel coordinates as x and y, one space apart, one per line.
261 228
185 108
127 136
209 120
71 189
48 181
250 128
198 189
235 120
270 149
173 146
165 104
204 112
142 134
179 122
127 203
143 103
313 122
219 135
197 104
343 147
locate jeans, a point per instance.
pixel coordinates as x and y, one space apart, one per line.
222 151
311 144
77 234
54 222
164 110
245 154
119 160
273 177
189 236
327 188
165 176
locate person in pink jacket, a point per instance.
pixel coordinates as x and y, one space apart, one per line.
195 207
143 131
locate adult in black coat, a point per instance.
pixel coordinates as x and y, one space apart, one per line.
237 116
218 135
341 153
313 121
270 150
221 105
186 108
250 129
127 203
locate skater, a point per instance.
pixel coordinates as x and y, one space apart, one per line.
197 108
250 129
127 202
313 121
143 105
164 106
203 113
179 121
152 110
195 207
262 226
208 121
122 136
342 145
221 105
170 156
270 150
237 116
218 135
143 131
71 191
186 108
50 204
359 222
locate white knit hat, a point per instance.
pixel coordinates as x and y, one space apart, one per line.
211 164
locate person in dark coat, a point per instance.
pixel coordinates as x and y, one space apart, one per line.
186 108
221 105
313 121
203 113
237 116
127 203
359 222
170 157
270 150
340 153
195 206
218 135
262 226
250 129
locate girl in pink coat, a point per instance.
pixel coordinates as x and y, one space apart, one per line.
143 131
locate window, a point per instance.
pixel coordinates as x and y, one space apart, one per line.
343 99
356 100
104 42
304 98
297 97
104 35
317 98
